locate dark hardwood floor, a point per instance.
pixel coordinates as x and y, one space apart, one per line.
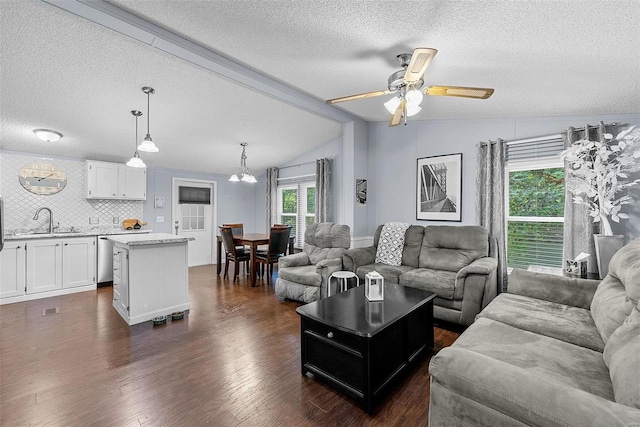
233 361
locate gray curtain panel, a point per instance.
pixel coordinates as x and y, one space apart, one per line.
578 226
272 197
490 199
323 190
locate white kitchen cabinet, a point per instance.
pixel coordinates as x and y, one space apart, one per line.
121 280
12 269
115 181
78 262
44 265
132 183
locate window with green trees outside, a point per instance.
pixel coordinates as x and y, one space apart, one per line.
535 214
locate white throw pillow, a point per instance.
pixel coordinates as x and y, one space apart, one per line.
391 243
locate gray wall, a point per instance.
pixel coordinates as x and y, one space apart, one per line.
393 152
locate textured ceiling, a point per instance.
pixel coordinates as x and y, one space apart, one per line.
544 58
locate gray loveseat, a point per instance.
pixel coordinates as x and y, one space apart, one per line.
457 263
553 351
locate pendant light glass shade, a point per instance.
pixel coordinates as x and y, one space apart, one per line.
243 173
147 144
136 161
413 97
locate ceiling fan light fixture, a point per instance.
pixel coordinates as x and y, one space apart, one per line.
412 110
414 97
392 104
47 135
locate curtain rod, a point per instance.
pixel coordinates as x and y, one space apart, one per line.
552 136
298 165
297 177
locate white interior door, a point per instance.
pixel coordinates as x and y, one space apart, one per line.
195 220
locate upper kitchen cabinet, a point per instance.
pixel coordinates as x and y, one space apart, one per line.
115 181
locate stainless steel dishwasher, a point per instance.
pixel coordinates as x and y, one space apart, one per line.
105 260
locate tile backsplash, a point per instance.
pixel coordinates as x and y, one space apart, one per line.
69 206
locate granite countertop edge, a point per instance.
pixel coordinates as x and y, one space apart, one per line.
93 233
149 239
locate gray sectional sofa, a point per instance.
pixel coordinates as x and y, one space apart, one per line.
457 263
553 351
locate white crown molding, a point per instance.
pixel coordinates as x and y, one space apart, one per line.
125 23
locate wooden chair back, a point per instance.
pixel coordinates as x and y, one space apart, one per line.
236 229
279 240
227 240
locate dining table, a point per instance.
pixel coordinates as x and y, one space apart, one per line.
253 240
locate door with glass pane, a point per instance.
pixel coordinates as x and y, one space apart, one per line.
193 209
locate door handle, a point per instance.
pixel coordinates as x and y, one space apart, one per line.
177 226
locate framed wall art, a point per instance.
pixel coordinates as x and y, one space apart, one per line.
361 192
439 188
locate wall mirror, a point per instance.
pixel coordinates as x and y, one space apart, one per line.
42 177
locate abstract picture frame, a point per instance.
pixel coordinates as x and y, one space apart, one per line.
439 188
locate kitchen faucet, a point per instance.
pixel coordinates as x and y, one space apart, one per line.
50 217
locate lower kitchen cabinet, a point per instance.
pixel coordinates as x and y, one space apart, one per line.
78 262
121 280
12 270
44 265
38 268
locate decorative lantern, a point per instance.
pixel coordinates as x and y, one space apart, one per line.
374 286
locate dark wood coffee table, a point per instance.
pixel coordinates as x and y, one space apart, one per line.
360 346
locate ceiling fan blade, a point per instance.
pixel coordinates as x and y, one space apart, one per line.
400 112
460 91
420 60
359 96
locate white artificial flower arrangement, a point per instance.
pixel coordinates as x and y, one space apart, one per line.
601 170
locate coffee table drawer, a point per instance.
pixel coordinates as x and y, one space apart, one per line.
335 362
352 341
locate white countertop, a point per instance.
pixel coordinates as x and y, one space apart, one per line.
148 239
61 235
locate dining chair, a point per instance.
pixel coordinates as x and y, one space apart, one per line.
278 244
237 230
234 254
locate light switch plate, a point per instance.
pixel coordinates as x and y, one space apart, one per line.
116 219
159 219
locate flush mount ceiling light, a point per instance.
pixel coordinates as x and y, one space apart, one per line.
147 144
47 135
136 161
243 173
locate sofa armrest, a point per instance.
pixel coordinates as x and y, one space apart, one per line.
294 260
357 257
559 289
485 266
524 395
325 269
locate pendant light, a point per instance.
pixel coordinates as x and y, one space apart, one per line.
243 173
147 144
136 161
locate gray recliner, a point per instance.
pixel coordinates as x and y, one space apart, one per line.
304 276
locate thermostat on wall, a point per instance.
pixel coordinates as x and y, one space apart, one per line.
159 202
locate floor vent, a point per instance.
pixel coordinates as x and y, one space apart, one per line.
50 311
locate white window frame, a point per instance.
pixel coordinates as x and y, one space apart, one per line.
542 163
301 211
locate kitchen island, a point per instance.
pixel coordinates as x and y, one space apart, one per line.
150 275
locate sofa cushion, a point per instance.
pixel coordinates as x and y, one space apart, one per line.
451 248
390 273
440 282
391 243
624 266
412 244
544 357
570 324
326 240
305 275
621 354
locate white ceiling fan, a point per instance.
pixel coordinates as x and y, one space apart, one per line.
407 83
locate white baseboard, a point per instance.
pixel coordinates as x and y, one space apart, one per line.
40 295
361 242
